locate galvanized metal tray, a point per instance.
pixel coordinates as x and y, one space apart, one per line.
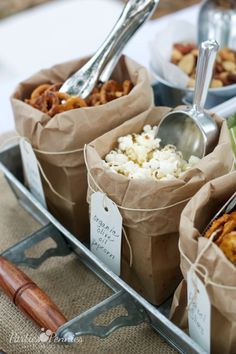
138 309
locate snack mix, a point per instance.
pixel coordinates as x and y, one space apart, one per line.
185 55
223 231
48 99
139 156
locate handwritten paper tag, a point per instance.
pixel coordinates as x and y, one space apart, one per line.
199 311
106 231
31 170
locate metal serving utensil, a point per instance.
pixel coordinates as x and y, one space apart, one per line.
192 130
228 207
134 14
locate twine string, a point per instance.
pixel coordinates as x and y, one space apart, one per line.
58 152
201 269
129 246
98 188
197 267
17 138
43 152
51 187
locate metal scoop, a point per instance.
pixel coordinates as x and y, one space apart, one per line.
135 13
192 130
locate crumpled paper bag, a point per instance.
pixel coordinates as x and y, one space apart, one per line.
195 217
153 234
69 131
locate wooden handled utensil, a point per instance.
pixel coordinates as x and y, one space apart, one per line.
29 297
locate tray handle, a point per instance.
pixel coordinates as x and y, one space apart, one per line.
29 297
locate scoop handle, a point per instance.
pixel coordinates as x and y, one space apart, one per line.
206 60
29 297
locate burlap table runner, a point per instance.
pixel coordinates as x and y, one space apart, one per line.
73 288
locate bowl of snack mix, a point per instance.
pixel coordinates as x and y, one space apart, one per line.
173 64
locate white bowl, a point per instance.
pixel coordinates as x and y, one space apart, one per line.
174 95
171 79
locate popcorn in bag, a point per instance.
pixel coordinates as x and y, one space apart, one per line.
151 209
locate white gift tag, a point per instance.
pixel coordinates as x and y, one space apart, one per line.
31 170
106 231
199 311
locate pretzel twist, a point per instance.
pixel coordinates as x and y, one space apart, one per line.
48 99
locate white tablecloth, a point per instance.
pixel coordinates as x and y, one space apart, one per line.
60 31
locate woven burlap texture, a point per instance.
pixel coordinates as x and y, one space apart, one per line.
73 288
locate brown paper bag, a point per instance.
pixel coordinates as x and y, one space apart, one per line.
153 234
69 131
221 272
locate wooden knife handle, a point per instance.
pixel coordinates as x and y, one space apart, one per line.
29 297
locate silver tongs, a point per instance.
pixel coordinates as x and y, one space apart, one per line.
101 65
